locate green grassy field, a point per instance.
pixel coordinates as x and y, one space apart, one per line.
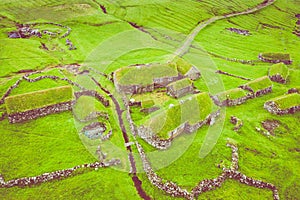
54 142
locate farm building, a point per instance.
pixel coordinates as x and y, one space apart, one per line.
258 87
231 97
187 115
36 104
140 79
180 88
278 73
275 58
286 104
186 69
145 78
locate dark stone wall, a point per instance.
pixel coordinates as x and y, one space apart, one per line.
39 112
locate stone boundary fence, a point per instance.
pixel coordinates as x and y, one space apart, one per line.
205 185
60 107
40 112
56 175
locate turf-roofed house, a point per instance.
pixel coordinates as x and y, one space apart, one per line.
36 104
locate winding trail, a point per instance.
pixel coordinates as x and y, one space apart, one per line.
191 37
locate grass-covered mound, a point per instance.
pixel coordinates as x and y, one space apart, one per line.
192 110
38 99
279 73
287 101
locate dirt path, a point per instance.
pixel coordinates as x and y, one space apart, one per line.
191 37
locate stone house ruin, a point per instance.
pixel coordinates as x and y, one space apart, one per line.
36 104
94 130
146 78
275 58
258 87
282 105
278 73
232 97
180 88
193 73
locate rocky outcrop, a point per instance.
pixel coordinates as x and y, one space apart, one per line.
39 112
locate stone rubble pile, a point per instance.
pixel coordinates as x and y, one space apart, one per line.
70 44
237 122
239 31
56 175
293 90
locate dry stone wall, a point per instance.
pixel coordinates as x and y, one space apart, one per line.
39 112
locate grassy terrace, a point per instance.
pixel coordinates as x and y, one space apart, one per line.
280 69
193 109
144 75
38 99
260 83
232 94
287 101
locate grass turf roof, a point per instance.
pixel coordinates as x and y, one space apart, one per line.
287 101
193 109
182 65
276 56
182 83
38 99
232 94
280 69
260 83
144 75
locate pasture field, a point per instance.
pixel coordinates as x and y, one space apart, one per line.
55 142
